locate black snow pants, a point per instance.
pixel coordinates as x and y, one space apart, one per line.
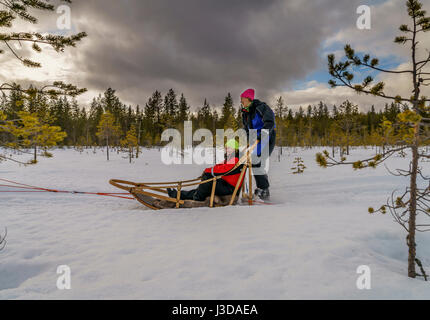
262 180
204 190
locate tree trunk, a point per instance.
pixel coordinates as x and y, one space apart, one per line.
413 208
138 140
107 148
412 214
347 144
414 170
333 149
35 153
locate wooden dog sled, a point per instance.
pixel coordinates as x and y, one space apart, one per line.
154 194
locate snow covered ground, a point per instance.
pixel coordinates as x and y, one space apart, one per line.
306 246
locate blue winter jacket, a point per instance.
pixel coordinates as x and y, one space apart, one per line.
259 116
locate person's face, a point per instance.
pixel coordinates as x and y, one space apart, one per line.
245 102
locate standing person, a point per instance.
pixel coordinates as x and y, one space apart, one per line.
258 115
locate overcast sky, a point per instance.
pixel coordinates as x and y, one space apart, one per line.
208 48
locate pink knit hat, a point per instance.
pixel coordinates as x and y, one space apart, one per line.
250 94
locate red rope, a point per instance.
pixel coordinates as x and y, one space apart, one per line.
29 188
20 191
263 202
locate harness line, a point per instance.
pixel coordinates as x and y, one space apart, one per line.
29 188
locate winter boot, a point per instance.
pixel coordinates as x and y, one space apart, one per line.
173 193
263 194
257 192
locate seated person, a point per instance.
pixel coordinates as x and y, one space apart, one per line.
224 186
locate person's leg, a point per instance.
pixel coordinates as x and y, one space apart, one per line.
262 180
185 194
188 194
223 188
204 190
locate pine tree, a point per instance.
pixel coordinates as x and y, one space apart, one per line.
30 132
238 120
171 108
139 123
153 113
299 166
184 109
107 130
227 113
280 110
14 103
204 116
94 117
347 115
111 103
25 10
412 124
130 142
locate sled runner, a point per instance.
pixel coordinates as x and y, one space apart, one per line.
154 195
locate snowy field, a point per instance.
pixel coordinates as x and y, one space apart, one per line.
307 245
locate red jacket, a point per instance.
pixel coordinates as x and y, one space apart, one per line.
225 167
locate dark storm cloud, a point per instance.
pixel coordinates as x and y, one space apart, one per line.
203 48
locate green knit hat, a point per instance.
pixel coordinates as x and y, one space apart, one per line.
232 144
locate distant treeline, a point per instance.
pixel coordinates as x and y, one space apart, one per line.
314 125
